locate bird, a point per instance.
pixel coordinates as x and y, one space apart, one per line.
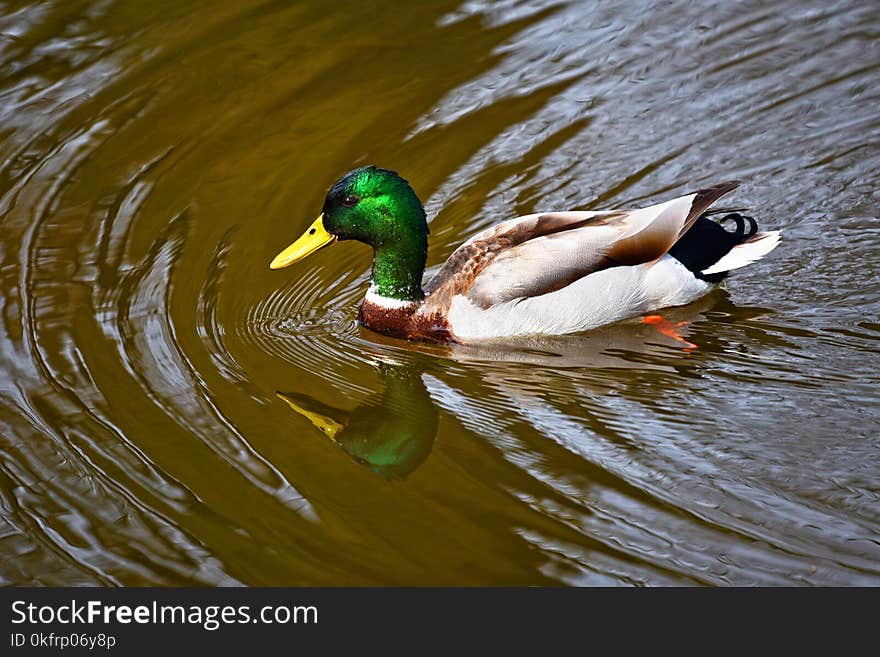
547 273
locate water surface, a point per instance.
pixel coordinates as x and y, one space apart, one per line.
154 374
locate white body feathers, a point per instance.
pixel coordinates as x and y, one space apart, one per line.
607 296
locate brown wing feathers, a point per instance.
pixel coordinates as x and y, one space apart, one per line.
704 199
652 242
468 260
656 239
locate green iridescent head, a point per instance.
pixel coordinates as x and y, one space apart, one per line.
377 207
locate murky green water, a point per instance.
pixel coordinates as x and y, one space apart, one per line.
156 155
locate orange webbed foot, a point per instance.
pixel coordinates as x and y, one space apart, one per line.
669 329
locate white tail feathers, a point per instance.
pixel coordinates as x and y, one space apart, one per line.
754 248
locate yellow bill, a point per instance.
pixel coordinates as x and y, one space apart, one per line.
312 240
328 426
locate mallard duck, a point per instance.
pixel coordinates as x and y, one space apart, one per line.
544 273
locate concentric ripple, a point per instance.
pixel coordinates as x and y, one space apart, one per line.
311 325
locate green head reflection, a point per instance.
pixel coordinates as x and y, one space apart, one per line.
391 433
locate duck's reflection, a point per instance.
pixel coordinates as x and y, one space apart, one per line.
391 433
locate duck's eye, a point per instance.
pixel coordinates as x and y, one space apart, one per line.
349 201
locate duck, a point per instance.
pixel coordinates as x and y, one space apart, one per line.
547 273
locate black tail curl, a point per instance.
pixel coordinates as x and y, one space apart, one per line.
740 221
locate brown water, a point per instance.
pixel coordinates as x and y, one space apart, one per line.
156 155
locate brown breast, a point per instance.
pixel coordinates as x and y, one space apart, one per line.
406 323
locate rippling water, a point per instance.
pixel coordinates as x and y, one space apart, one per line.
167 402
